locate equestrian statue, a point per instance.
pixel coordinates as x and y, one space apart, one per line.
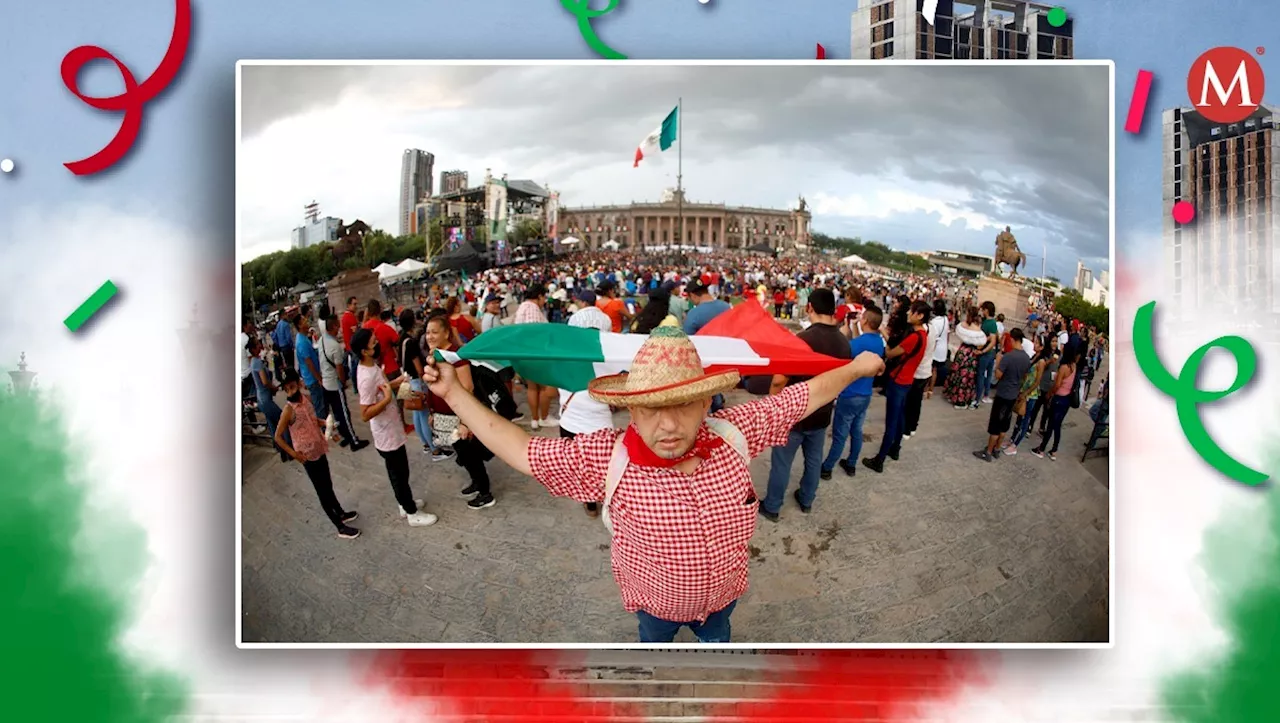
1007 251
350 240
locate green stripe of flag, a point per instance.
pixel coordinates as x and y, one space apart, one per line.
553 355
669 126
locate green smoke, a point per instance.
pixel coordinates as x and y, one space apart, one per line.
63 654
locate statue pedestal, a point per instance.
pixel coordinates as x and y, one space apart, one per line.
1010 298
360 283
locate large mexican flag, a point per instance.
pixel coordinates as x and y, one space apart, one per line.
568 357
661 138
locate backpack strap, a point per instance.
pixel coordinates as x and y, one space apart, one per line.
618 462
725 430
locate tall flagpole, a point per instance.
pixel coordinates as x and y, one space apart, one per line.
680 169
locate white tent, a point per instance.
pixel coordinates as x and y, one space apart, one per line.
388 273
610 244
854 260
411 265
571 241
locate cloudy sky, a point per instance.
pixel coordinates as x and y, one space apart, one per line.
918 158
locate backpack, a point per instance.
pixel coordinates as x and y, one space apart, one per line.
619 460
490 387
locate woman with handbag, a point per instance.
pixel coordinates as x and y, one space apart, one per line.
470 454
412 362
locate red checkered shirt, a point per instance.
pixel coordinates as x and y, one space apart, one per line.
679 541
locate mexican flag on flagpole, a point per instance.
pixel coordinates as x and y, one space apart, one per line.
661 138
567 357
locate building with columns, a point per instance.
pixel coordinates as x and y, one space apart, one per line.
715 225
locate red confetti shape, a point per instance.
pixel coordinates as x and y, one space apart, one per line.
514 685
134 97
822 52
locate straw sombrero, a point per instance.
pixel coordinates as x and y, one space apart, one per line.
665 372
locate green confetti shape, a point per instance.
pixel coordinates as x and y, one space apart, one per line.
581 9
1188 398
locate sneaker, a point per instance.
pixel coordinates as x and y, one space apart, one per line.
533 424
550 423
1053 457
406 514
996 454
482 502
359 445
1010 450
770 516
824 474
961 406
982 455
351 516
518 419
348 533
907 436
973 405
986 400
803 507
1038 453
441 455
875 464
343 443
470 491
421 519
849 468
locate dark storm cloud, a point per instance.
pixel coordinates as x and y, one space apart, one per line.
1028 143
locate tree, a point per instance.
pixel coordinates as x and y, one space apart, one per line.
873 251
1074 306
529 229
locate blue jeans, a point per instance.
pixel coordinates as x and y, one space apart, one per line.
846 423
317 401
1024 423
714 630
420 424
895 413
780 468
986 368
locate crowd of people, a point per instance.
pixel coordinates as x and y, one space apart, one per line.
904 336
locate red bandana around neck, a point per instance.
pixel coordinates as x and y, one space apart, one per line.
639 452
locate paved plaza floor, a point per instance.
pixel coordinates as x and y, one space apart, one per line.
942 547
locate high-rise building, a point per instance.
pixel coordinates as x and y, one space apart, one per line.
983 29
1084 277
416 169
453 181
1226 259
314 229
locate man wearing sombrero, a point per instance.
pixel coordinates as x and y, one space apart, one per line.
675 487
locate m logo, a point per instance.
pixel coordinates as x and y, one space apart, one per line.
1225 85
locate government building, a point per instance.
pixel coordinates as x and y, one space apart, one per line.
713 225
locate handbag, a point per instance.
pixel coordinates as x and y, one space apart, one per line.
444 429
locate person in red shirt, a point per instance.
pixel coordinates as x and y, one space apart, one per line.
902 361
613 307
778 300
349 324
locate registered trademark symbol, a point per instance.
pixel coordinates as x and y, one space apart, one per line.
1261 50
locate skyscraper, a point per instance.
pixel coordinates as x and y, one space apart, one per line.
416 169
1224 261
983 29
453 181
